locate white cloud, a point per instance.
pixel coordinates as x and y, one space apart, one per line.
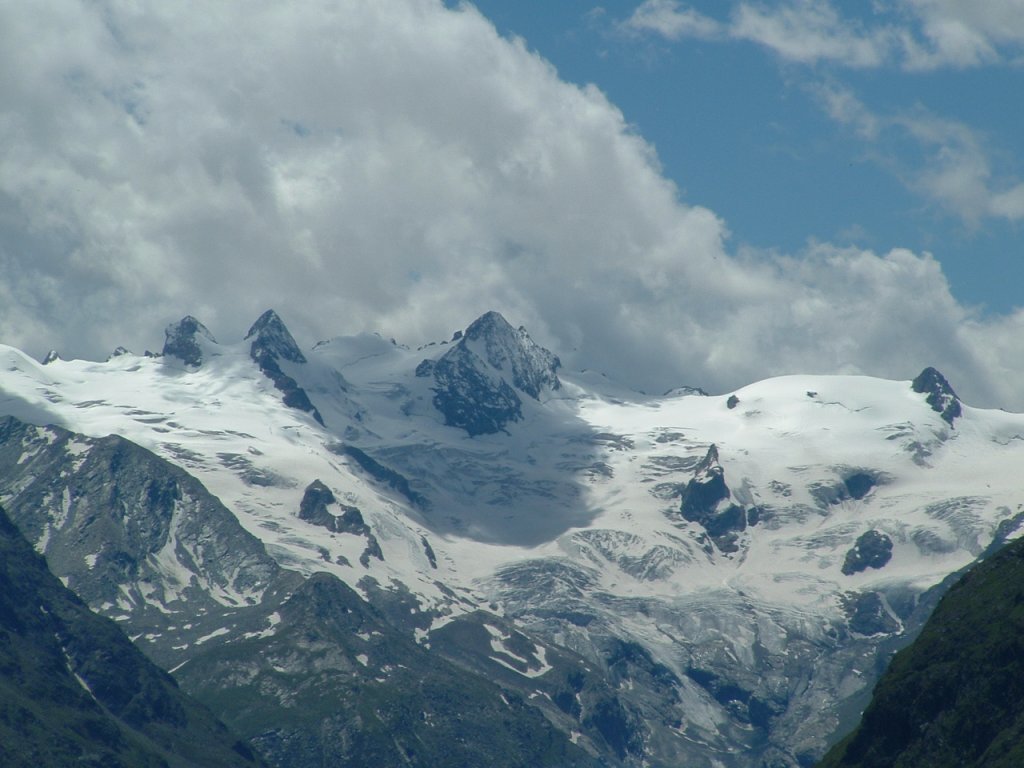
965 34
808 31
912 34
955 170
669 19
395 165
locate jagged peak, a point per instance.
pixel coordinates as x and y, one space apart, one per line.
512 350
271 337
488 324
941 396
709 462
182 340
51 357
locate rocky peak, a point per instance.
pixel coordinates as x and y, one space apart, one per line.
478 379
707 500
184 340
941 396
512 351
271 338
271 343
709 466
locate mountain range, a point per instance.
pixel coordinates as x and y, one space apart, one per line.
463 554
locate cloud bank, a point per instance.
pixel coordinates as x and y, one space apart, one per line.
396 165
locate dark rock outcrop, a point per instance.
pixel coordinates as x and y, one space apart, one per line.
271 343
314 508
386 475
704 501
941 396
183 340
859 484
478 379
873 549
271 338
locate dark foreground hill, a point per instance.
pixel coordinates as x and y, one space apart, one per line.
955 697
74 691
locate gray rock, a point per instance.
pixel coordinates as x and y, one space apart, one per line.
272 343
270 337
478 379
941 396
182 340
873 549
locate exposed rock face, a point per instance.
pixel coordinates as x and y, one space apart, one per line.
271 343
75 691
478 379
124 527
705 500
369 695
532 367
271 338
873 549
314 508
867 615
381 473
941 396
139 539
183 340
469 398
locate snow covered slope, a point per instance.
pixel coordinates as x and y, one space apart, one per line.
738 567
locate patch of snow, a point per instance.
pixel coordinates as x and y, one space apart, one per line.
216 633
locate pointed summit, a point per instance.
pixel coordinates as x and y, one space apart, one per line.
184 338
477 379
270 337
941 396
271 343
512 351
707 500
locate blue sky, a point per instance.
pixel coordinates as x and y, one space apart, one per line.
674 194
746 131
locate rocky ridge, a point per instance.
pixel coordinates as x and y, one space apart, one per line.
585 556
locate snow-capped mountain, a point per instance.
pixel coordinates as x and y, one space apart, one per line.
686 579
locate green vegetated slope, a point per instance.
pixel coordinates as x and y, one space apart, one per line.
955 697
75 691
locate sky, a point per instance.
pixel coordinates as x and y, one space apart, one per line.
674 193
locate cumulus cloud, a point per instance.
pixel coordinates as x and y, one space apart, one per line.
396 165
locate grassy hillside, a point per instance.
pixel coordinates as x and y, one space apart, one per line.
955 697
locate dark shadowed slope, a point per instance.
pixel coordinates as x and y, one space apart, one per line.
75 691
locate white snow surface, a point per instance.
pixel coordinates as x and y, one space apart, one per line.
586 477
